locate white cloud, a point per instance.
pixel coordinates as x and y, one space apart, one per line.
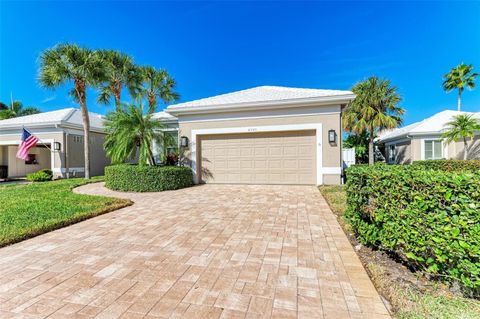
49 98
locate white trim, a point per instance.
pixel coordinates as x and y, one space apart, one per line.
63 170
258 129
331 170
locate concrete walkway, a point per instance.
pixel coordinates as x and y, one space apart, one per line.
211 251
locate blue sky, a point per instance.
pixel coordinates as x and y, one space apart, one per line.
218 47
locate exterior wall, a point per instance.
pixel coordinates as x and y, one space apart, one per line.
75 155
403 152
473 148
329 117
3 155
18 168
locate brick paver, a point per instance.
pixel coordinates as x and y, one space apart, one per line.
211 251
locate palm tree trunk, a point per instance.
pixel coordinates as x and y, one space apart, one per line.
116 93
371 159
152 101
117 102
459 100
80 88
465 149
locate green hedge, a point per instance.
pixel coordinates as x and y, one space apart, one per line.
43 175
449 165
428 218
135 178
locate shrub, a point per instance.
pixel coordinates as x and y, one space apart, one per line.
428 218
135 178
43 175
449 165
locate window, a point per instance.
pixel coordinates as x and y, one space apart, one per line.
32 159
433 149
391 153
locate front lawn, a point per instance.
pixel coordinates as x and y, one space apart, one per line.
410 297
33 209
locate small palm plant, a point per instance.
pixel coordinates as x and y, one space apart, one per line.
131 130
158 84
120 73
82 67
459 78
462 126
374 108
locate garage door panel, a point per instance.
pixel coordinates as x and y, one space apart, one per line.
259 158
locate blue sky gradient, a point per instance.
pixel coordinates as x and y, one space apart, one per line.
218 47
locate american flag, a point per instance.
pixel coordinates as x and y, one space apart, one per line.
28 141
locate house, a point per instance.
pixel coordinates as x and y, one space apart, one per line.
423 141
61 144
264 135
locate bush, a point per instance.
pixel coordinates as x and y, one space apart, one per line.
428 218
43 175
449 165
135 178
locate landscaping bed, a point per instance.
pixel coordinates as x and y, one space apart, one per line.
145 178
409 295
33 209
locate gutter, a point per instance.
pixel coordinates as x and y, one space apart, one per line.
199 109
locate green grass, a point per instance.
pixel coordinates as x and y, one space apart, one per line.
31 209
407 303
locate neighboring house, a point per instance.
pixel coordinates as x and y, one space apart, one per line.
264 135
423 141
61 146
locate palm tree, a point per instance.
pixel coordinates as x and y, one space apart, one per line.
459 77
374 108
462 126
68 63
158 84
120 72
129 130
17 109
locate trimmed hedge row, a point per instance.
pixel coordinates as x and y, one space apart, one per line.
135 178
429 218
449 165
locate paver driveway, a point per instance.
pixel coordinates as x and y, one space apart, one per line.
205 252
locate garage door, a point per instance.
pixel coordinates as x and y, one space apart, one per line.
259 158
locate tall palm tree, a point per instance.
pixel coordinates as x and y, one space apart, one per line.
129 130
67 63
120 72
374 108
462 126
158 84
459 77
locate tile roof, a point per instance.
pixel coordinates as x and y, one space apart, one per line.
66 116
261 94
432 125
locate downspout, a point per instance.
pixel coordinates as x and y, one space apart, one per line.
340 141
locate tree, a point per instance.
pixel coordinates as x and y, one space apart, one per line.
17 109
120 73
129 130
158 84
360 143
67 63
462 126
459 78
374 108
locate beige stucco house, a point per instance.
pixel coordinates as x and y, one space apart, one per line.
423 141
61 146
264 135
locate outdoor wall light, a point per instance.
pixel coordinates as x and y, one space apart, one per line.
56 146
184 141
332 136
